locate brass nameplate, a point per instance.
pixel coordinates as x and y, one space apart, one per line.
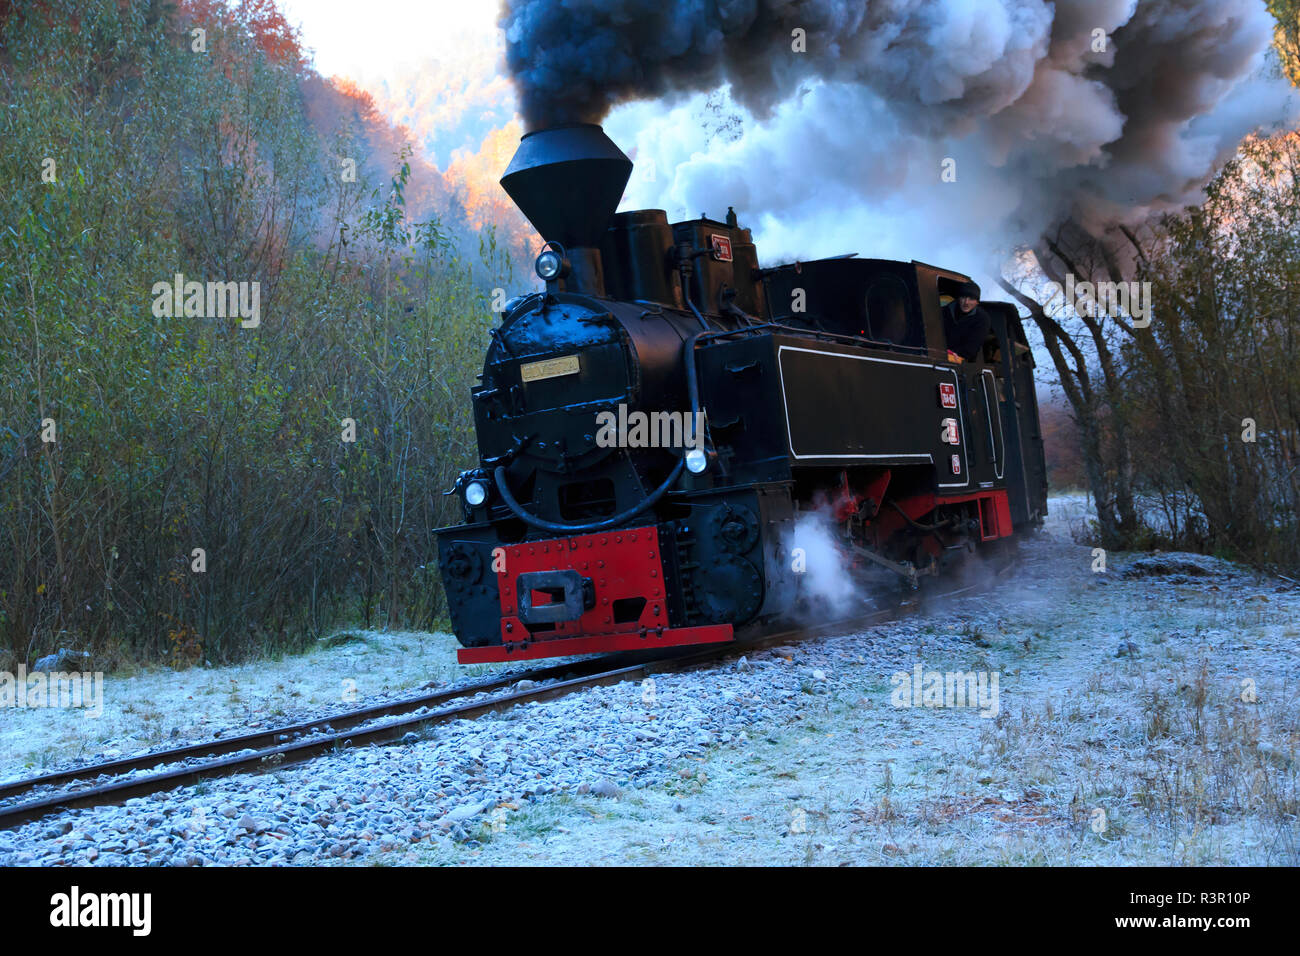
549 368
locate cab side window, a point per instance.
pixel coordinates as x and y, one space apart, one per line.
888 315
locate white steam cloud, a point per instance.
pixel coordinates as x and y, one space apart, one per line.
823 567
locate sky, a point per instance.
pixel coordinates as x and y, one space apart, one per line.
352 38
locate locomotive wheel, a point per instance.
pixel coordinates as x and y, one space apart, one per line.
729 590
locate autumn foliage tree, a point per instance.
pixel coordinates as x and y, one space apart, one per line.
178 487
1189 420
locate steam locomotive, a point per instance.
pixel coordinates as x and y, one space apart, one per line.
652 426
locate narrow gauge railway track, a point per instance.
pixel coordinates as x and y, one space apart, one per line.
270 750
271 737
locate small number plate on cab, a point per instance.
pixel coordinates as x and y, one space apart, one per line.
550 368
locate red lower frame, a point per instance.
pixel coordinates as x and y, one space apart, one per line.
630 611
994 511
597 644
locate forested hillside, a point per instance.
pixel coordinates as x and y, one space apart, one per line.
184 487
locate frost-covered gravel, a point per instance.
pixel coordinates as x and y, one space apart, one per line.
161 709
466 776
797 755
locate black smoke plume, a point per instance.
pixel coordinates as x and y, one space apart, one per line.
1097 110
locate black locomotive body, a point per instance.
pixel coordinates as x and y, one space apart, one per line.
822 386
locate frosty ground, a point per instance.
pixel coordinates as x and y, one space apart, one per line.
1146 714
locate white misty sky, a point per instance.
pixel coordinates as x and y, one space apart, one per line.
375 37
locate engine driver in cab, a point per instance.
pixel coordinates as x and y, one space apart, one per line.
965 324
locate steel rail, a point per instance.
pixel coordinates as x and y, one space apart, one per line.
267 738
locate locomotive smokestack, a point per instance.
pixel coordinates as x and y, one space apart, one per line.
568 181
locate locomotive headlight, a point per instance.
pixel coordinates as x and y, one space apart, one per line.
696 461
475 493
549 265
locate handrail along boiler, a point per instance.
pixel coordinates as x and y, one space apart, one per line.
823 385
